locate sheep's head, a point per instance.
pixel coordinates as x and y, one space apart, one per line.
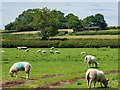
11 74
106 83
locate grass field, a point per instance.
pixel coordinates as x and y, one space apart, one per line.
64 70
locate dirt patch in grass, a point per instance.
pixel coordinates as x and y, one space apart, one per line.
64 82
12 83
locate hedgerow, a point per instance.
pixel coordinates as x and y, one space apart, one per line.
72 43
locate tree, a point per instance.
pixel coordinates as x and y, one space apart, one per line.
46 22
97 20
100 21
72 21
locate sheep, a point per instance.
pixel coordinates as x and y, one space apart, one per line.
52 48
95 75
83 52
89 59
2 51
19 48
20 66
58 52
38 51
51 51
43 51
27 50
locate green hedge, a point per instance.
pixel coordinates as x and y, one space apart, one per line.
102 32
73 43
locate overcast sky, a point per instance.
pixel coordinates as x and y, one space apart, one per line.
11 10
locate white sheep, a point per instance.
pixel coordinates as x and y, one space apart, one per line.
38 51
21 48
20 66
89 59
58 52
2 51
51 51
43 51
18 48
83 52
94 75
27 50
52 48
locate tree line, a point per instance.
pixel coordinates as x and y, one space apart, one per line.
48 21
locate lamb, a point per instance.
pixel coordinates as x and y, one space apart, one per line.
43 51
27 50
89 59
38 51
52 48
83 52
21 48
58 52
20 66
51 51
2 51
95 75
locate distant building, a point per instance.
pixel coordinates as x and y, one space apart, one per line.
95 28
65 30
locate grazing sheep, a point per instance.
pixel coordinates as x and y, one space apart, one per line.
43 51
51 51
27 50
21 48
52 48
2 51
18 48
58 52
83 52
38 51
89 59
95 75
20 66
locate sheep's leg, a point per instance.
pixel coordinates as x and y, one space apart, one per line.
90 83
86 65
16 74
27 76
100 83
94 84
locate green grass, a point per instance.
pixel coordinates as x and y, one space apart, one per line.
67 65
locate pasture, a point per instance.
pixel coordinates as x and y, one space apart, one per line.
64 70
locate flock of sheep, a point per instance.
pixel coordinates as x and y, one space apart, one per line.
40 51
91 75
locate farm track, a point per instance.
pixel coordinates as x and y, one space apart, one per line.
12 83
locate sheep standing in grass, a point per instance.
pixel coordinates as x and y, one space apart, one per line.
21 48
58 52
51 51
83 52
89 59
95 75
43 51
27 50
38 51
20 66
52 48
